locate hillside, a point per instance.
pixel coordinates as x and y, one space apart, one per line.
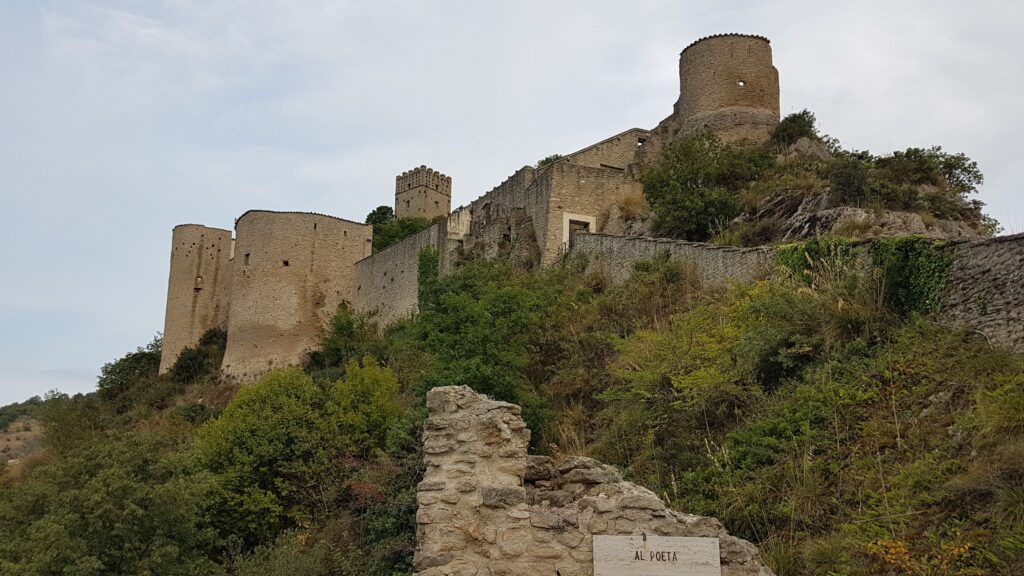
842 433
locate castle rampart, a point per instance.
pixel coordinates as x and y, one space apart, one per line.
197 287
291 271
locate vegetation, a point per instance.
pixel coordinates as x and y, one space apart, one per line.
701 185
818 414
548 160
387 229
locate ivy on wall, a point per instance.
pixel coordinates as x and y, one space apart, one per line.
915 269
429 271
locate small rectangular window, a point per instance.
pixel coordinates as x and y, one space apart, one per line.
246 261
284 262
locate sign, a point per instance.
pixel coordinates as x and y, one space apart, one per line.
649 555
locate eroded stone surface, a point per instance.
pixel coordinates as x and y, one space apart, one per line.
489 509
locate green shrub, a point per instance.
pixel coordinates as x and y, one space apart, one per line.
387 233
794 127
916 270
202 360
694 186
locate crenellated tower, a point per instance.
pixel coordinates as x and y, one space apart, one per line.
422 193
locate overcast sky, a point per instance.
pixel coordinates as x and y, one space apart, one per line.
121 119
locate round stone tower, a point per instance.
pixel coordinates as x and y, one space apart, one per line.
197 290
728 85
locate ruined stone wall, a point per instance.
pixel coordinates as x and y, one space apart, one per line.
197 288
387 283
486 507
985 289
614 256
291 271
615 152
422 193
509 219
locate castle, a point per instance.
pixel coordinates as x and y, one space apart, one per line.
276 282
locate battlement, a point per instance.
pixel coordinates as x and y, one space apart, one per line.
422 193
725 35
423 176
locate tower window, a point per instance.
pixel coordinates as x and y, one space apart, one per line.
284 263
246 259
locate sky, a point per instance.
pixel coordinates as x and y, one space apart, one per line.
121 119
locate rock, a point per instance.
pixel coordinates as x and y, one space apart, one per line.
539 468
502 496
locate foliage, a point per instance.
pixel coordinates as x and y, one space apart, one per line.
429 271
794 127
916 270
278 449
348 335
548 160
110 507
380 215
202 360
694 186
387 233
119 378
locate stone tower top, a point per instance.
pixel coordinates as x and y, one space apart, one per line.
422 193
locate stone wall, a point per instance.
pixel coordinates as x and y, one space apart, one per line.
197 288
487 508
614 256
290 272
387 283
614 152
985 290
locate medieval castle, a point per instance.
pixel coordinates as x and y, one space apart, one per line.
274 285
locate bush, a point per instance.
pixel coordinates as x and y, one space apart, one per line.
200 361
794 127
694 186
387 233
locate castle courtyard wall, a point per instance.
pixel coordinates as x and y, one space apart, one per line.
197 288
291 271
387 283
615 256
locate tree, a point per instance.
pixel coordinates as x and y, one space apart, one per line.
694 187
380 215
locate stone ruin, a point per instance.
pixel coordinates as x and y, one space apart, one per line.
487 508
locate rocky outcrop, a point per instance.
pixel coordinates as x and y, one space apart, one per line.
486 508
800 215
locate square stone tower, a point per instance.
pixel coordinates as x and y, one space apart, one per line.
422 193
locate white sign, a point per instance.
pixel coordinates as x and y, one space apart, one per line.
647 555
